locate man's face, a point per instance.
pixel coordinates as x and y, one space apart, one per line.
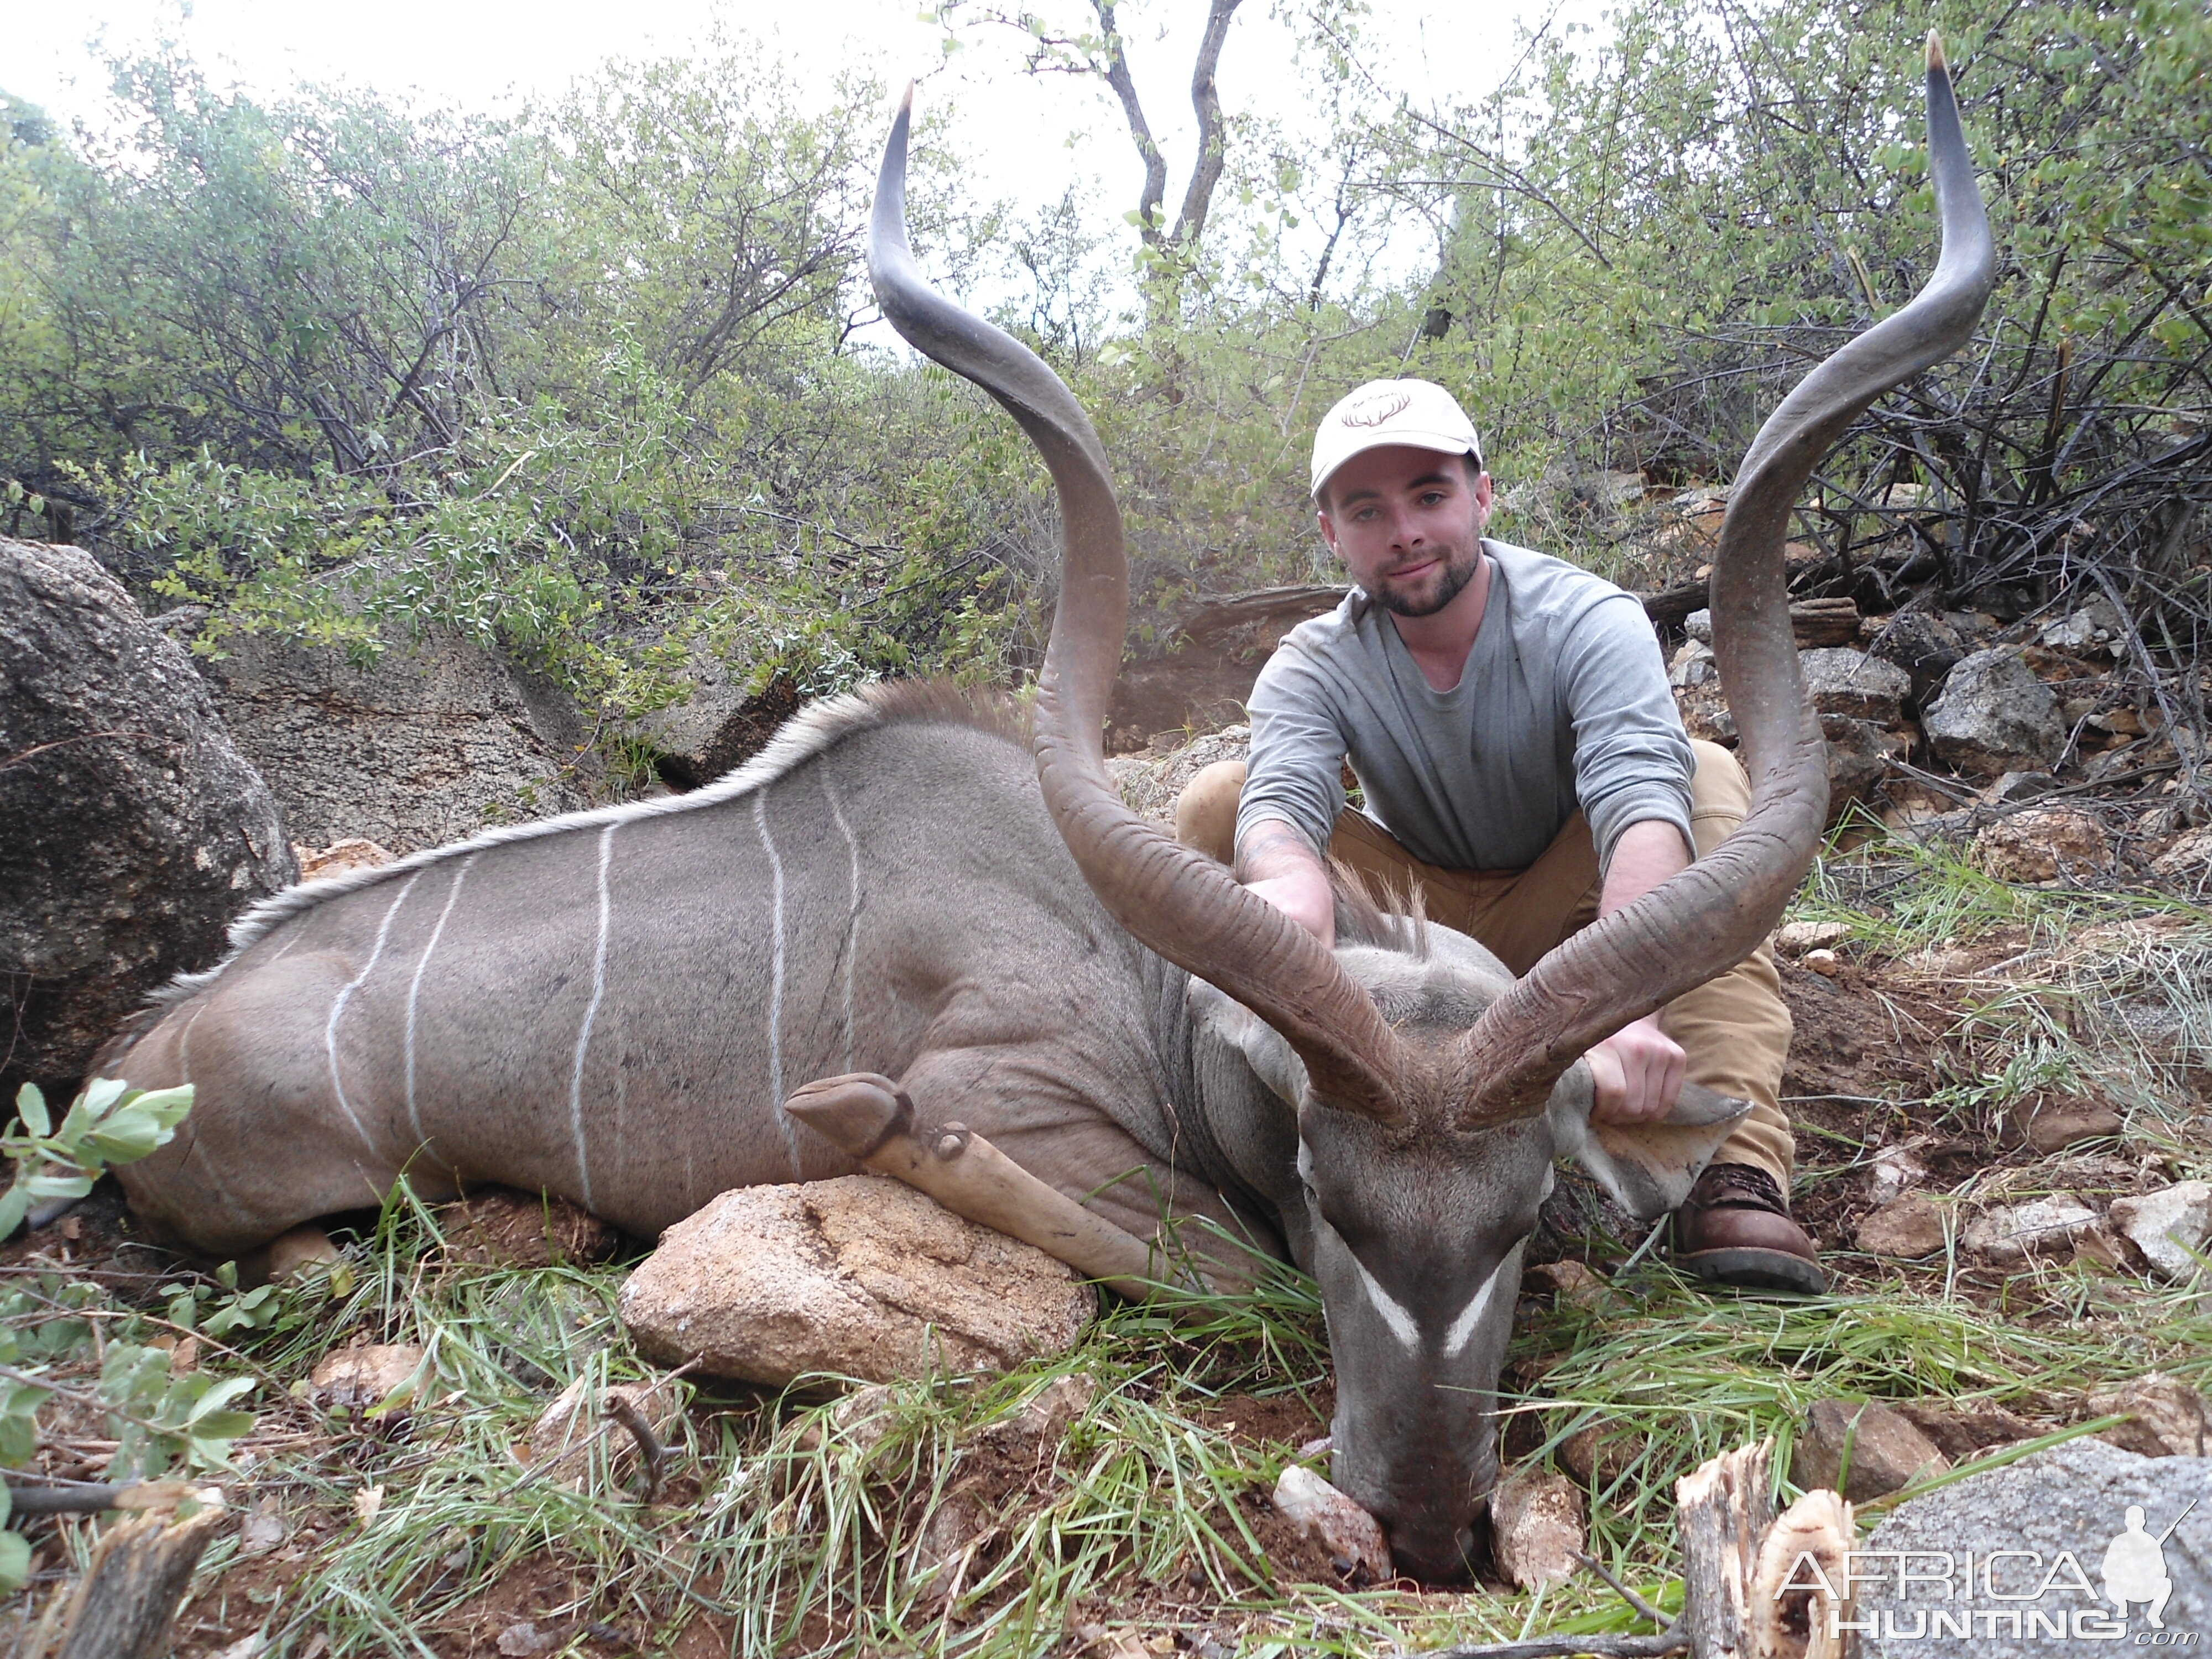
1407 523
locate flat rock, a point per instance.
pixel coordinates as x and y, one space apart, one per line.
722 721
1908 1226
1963 1432
1333 1523
1921 643
2167 1418
2168 1225
1883 1449
1536 1527
358 1379
2045 843
1994 716
1794 938
2062 1509
133 828
2052 1126
1896 1172
2017 1231
1841 681
857 1277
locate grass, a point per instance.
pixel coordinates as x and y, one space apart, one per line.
929 1516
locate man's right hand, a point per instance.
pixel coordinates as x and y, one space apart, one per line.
1278 863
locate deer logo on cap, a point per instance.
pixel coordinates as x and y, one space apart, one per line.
1374 410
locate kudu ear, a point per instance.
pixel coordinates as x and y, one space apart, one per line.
1648 1168
1273 1061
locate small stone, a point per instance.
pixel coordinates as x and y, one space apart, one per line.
1571 1281
1826 963
300 1251
1925 646
1599 1456
2167 1227
1842 681
1908 1227
1994 716
360 1378
1536 1527
1896 1170
264 1528
2014 1232
340 856
2167 1418
1964 1432
1884 1451
527 1639
1794 938
2020 786
1698 625
1047 1413
2043 844
1332 1522
2053 1125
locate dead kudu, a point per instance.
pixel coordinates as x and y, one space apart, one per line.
909 905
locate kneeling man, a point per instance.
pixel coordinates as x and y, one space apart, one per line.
1522 762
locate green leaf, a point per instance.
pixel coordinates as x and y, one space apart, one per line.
221 1394
101 1093
14 1562
14 1205
31 1107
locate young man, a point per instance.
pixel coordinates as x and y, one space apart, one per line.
1521 761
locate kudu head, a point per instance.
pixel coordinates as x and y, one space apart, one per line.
1432 1091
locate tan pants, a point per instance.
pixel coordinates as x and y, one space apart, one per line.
1734 1029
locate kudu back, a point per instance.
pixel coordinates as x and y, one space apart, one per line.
908 885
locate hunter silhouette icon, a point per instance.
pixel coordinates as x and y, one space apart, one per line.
2135 1566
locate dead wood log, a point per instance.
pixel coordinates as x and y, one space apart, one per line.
125 1604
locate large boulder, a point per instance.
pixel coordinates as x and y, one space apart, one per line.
132 829
856 1277
720 723
1995 716
2020 1562
1841 681
435 740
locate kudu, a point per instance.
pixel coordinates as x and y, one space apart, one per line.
895 906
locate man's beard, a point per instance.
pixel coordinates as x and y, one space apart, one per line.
1439 590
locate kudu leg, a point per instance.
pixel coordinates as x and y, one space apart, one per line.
870 1119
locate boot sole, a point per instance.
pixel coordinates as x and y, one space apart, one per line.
1757 1269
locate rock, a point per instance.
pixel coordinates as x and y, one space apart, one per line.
1817 623
1693 665
1150 782
1598 1457
2092 628
301 1250
1858 760
432 742
1571 1281
1536 1527
497 1228
2050 1125
340 856
132 830
1964 1432
1705 714
2045 843
264 1528
1883 1450
1333 1523
1995 716
360 1378
2168 1225
1698 625
524 1638
722 724
2014 1233
2020 786
1826 963
1923 645
2187 861
1908 1227
2062 1509
1896 1170
1842 681
856 1277
2169 1417
1045 1414
1794 938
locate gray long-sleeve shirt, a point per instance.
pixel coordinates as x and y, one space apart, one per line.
1563 703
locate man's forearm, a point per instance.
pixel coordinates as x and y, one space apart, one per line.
1646 854
1279 863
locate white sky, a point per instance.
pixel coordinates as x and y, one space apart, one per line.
488 55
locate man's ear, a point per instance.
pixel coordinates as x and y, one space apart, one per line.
1272 1060
1648 1168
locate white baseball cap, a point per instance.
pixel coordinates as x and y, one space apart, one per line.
1417 412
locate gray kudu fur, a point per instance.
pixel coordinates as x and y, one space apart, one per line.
908 904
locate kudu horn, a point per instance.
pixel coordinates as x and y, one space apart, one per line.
1715 913
1178 903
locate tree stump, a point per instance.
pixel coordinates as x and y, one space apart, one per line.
125 1602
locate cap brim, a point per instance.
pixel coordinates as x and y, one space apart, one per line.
1438 441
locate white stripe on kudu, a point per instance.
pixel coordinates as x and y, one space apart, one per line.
414 990
775 982
345 995
590 1013
1471 1315
1402 1323
852 906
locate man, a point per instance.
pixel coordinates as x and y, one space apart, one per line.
1521 761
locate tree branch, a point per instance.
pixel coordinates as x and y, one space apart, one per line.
1206 100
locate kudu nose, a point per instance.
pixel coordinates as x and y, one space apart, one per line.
1433 1554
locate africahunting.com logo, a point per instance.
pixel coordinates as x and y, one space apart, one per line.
2024 1595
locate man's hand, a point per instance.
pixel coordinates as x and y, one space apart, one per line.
1276 862
1639 1072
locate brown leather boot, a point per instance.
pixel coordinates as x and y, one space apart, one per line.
1735 1228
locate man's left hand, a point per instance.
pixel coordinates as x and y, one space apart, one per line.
1639 1072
